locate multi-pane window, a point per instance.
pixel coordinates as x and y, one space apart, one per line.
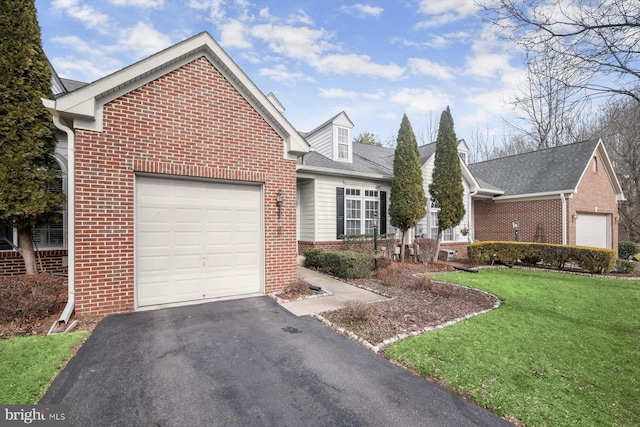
447 235
51 235
361 210
463 156
343 143
47 236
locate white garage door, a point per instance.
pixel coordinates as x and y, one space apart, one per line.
592 230
196 240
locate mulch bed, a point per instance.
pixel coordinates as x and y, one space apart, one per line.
414 306
41 326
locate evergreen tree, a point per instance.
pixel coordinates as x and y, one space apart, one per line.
446 187
408 201
28 190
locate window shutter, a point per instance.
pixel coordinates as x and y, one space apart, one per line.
339 212
383 212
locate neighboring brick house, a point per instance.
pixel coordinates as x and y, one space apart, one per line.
181 188
563 195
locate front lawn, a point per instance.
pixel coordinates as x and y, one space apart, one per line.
29 364
561 350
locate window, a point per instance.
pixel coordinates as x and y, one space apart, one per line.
463 156
50 235
357 219
447 235
343 143
8 233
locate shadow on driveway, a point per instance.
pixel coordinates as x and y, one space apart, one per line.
243 362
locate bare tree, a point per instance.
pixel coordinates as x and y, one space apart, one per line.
619 128
548 109
430 132
596 41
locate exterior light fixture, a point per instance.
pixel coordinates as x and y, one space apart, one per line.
279 201
515 225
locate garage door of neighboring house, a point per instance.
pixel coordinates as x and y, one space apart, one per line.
197 240
593 230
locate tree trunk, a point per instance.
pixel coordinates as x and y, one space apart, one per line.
25 243
435 256
404 232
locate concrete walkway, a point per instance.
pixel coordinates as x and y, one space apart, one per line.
342 292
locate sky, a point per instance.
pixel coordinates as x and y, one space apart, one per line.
375 60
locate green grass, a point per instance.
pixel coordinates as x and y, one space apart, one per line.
561 350
29 364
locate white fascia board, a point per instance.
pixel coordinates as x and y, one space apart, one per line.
466 173
546 195
316 170
85 104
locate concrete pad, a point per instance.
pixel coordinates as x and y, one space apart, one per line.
342 292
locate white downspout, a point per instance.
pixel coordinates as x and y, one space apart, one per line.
71 210
472 216
564 218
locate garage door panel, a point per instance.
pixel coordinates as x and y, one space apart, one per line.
593 230
196 240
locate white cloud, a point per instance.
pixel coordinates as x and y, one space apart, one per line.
295 42
89 16
300 17
421 100
216 13
360 65
74 43
349 94
143 40
234 34
443 12
363 10
279 73
438 7
429 68
147 4
83 69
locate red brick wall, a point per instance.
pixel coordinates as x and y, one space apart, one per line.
52 262
539 220
595 195
190 122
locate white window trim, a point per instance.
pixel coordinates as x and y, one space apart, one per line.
347 144
363 198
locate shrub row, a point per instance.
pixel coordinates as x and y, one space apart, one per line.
30 297
593 260
343 264
627 250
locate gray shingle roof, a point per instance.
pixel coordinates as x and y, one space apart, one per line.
543 171
72 85
366 159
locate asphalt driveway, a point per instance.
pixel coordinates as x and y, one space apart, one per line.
244 362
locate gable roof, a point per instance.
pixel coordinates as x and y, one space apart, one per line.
546 171
327 123
85 103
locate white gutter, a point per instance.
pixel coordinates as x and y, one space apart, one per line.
71 210
564 218
333 172
532 195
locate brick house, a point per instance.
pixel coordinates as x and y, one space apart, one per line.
181 184
185 184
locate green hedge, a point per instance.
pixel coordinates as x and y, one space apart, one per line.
343 264
594 260
626 250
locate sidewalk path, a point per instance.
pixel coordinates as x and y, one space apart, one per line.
342 292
